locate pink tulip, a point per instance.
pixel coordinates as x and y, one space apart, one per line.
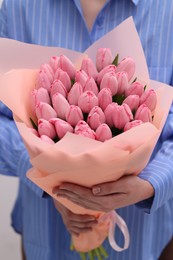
96 117
103 133
74 115
39 95
132 124
110 81
44 111
135 88
109 113
66 65
61 105
61 126
103 58
128 65
45 77
47 139
83 129
74 94
104 98
91 85
122 82
64 78
81 77
34 131
87 101
54 60
109 68
132 101
149 98
81 125
89 67
46 128
57 86
121 115
143 113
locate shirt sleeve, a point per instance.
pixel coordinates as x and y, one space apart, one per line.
14 158
3 21
159 171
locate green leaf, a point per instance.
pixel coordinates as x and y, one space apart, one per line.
115 61
134 80
118 99
145 87
72 82
33 124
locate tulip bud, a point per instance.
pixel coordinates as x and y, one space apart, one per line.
132 101
46 128
54 60
143 113
64 78
66 65
128 65
121 115
89 67
87 101
103 58
122 82
61 105
45 77
149 98
81 125
57 86
83 129
47 139
103 133
104 98
74 115
110 81
61 126
109 68
96 117
132 124
74 94
44 111
91 85
135 88
109 114
81 77
39 95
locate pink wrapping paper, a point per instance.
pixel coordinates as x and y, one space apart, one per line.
74 158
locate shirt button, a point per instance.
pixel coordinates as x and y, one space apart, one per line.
100 21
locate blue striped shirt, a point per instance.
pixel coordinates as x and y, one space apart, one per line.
61 23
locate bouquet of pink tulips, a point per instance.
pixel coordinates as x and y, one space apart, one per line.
98 101
85 121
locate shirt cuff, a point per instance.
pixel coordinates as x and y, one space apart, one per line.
159 173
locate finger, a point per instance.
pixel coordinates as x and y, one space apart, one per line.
89 224
108 188
81 218
77 231
77 189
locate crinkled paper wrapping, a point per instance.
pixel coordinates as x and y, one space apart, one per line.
74 158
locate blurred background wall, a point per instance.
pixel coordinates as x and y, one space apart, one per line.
9 240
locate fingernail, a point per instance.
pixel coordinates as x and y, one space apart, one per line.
96 190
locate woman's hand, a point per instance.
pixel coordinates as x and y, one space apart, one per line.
107 196
75 223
